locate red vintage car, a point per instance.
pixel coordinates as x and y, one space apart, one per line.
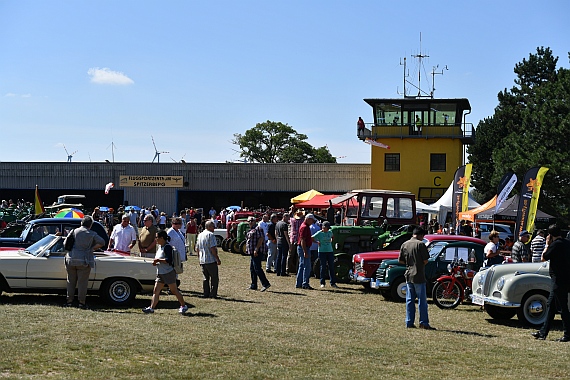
365 264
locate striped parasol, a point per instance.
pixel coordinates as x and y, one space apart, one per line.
69 213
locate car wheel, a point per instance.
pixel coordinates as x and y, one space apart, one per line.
398 290
225 245
501 313
446 296
533 310
218 240
118 291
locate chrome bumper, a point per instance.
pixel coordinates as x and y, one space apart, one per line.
495 301
356 278
379 285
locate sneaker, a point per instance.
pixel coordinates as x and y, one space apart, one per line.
538 335
308 287
334 286
83 306
268 271
148 310
427 327
183 309
265 288
322 286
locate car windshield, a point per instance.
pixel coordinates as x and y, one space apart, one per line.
39 246
435 247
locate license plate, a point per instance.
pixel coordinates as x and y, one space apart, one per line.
373 284
477 300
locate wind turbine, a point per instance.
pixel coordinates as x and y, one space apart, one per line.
113 147
69 156
156 152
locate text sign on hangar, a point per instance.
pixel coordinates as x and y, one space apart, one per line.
151 181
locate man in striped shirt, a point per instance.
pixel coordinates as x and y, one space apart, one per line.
537 246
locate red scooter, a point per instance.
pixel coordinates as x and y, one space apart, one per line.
451 289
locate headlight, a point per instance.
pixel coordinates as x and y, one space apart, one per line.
449 268
481 280
501 283
362 263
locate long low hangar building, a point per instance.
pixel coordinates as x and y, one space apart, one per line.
173 186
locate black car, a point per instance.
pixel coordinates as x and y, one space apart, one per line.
39 228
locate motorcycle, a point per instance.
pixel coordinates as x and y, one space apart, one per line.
451 289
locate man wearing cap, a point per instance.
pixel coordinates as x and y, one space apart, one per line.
296 220
271 244
304 252
257 249
520 252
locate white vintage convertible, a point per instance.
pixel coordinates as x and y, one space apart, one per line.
40 268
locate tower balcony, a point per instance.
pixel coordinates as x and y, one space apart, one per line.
464 132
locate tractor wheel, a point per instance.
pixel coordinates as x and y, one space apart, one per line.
243 248
234 246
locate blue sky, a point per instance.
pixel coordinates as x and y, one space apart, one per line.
193 73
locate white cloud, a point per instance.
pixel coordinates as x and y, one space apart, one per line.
12 95
108 76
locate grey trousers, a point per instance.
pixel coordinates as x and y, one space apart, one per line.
210 279
77 275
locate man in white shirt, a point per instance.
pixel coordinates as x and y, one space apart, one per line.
177 239
123 237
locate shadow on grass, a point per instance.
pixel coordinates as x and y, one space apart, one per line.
285 293
199 314
472 333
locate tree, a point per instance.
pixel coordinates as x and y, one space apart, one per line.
275 142
530 127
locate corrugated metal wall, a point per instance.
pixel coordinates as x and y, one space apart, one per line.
198 176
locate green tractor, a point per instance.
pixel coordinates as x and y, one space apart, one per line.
395 209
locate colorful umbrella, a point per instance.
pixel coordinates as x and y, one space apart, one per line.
129 208
69 213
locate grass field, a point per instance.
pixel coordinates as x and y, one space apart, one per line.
284 333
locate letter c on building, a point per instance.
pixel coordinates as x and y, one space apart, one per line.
435 179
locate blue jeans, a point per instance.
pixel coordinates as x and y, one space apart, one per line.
281 264
327 260
271 255
304 272
256 271
419 291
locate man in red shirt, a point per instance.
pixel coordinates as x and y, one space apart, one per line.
304 252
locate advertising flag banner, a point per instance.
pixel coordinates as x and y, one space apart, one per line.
39 207
528 200
505 187
465 193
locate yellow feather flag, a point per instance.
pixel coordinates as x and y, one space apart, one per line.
39 207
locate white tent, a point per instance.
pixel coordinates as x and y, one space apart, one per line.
443 204
423 208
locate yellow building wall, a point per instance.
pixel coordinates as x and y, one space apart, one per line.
415 163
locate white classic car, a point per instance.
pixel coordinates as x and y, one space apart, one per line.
40 268
508 289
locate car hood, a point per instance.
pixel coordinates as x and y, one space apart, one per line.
376 255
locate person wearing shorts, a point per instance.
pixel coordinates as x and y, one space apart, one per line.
165 274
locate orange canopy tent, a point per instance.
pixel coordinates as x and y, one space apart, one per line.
470 215
322 201
306 196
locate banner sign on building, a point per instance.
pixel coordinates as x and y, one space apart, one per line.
151 181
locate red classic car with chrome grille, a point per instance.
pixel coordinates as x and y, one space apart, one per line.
365 264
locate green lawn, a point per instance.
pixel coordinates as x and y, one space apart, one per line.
282 333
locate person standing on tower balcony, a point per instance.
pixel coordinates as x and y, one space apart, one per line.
360 124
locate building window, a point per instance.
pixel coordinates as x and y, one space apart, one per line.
437 162
392 162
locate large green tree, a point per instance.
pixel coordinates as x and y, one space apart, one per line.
530 127
273 142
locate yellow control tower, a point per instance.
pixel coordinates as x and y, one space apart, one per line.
417 142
